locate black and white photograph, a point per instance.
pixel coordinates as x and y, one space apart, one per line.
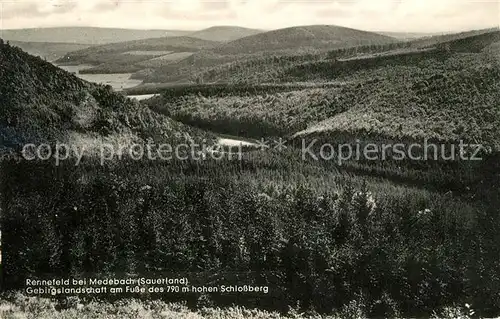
249 159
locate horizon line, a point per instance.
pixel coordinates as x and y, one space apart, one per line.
263 30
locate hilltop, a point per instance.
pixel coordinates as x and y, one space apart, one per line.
43 103
224 33
304 38
85 35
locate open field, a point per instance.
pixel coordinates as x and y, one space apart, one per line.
119 81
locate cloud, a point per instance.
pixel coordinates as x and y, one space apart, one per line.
35 10
375 15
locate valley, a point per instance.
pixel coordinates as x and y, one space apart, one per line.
365 238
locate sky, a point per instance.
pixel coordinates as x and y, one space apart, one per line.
371 15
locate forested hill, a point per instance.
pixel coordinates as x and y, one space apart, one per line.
42 103
282 42
315 37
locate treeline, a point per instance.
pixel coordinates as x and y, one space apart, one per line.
250 70
396 254
334 69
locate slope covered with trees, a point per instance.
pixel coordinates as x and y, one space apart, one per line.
319 239
408 95
42 103
273 68
314 37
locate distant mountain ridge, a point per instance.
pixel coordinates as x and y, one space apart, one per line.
85 35
99 36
